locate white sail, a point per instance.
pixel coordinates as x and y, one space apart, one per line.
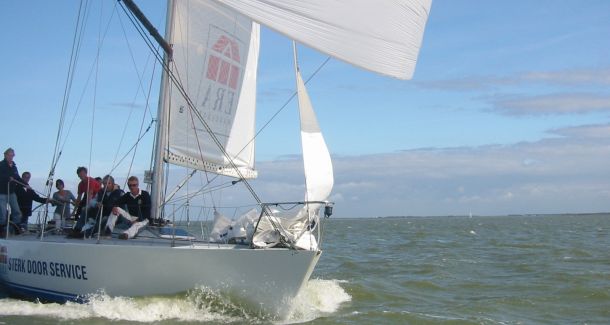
319 180
316 158
383 36
215 58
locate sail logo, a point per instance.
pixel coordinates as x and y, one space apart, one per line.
223 71
224 62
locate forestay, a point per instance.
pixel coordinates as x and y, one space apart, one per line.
383 36
215 58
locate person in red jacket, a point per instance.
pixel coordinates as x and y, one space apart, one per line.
86 197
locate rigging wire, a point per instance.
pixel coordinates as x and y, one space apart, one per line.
95 81
72 70
140 88
133 147
203 190
79 40
74 54
133 157
157 55
76 47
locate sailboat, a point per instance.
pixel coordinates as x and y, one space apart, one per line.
206 123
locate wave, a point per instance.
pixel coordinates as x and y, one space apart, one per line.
318 298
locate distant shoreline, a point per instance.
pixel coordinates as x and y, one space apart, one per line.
481 216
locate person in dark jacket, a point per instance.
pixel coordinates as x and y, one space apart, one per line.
25 197
138 204
9 176
106 201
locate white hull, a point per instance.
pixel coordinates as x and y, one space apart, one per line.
61 269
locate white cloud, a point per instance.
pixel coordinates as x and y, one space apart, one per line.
587 77
570 77
568 91
559 103
585 131
566 174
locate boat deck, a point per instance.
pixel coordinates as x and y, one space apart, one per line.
145 238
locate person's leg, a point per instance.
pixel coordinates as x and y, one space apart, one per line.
82 219
23 221
133 230
57 219
3 209
3 214
15 210
126 215
112 218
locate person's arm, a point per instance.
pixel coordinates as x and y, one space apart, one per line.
20 191
4 173
17 179
79 195
146 206
121 201
38 198
54 201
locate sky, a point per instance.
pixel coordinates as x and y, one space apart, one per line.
508 111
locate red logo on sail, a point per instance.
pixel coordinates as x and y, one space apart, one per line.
224 62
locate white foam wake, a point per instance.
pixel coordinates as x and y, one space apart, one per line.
318 298
145 310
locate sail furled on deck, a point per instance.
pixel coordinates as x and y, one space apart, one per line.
383 36
215 57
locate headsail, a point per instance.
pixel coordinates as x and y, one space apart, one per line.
383 36
215 59
316 158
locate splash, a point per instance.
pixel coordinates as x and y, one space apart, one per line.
318 298
145 309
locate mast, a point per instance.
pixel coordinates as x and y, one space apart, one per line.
135 10
162 114
158 178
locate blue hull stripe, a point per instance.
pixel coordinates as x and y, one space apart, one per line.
44 294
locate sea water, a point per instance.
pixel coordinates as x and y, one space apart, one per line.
548 269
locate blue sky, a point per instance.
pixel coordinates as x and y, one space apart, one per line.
508 111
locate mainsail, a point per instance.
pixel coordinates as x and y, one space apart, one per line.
215 58
383 36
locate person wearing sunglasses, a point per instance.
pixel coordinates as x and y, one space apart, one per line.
138 205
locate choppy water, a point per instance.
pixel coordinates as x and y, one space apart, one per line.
437 270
